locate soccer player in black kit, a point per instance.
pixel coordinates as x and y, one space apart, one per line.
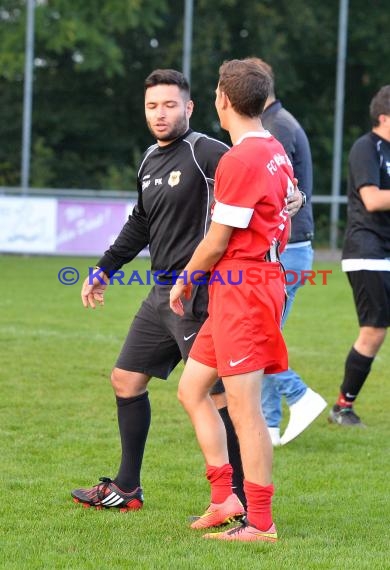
366 253
175 189
175 192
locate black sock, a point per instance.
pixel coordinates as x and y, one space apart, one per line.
234 455
357 368
134 421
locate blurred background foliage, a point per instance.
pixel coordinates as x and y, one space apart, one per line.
91 59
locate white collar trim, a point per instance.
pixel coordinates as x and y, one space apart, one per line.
255 134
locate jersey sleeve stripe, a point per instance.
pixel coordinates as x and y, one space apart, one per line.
365 265
235 216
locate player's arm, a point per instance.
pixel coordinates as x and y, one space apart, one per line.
375 199
93 288
364 166
211 248
132 239
302 163
292 147
209 251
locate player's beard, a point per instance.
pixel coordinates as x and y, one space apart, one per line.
178 129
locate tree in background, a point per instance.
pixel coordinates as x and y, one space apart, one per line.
89 70
91 59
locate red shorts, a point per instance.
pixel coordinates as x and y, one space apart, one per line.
242 333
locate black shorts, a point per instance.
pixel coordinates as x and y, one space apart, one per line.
158 339
371 293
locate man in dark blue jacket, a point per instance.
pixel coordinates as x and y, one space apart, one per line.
305 404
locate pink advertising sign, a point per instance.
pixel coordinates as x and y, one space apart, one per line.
88 227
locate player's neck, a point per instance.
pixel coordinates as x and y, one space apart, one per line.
242 125
382 131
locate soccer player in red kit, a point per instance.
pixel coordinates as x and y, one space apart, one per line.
241 339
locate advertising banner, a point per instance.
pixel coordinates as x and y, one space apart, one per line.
28 225
88 228
61 226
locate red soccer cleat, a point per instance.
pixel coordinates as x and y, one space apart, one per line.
107 495
218 514
245 533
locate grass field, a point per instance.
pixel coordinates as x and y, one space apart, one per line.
58 428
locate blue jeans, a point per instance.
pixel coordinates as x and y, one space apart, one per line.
287 383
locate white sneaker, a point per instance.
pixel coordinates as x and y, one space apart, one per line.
302 414
274 433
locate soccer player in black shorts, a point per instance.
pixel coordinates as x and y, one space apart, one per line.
175 191
366 253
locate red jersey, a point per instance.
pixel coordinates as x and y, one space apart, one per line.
252 182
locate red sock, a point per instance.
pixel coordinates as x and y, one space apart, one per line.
220 479
343 402
259 504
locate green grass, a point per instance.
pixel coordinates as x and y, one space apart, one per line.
58 431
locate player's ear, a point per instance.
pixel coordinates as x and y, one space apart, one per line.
189 108
225 101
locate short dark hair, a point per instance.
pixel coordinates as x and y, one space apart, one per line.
246 83
167 77
380 104
268 69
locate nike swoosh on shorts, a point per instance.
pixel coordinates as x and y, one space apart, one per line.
190 336
233 363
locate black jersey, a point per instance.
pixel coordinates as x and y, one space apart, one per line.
368 233
175 192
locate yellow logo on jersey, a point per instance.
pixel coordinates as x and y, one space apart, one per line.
174 178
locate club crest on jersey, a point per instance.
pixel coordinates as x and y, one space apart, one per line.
388 167
174 178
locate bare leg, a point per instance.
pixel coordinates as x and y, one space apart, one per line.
193 393
370 340
243 395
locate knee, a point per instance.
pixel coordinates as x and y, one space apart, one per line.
189 397
117 377
370 340
219 400
244 415
182 395
380 337
128 384
235 416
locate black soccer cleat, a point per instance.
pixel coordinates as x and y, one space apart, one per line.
344 416
107 495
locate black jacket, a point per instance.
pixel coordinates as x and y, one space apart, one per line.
284 127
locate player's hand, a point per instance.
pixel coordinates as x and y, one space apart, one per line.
180 289
294 201
93 289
